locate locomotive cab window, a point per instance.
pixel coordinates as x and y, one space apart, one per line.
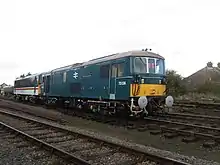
114 70
120 69
160 68
149 65
117 70
140 65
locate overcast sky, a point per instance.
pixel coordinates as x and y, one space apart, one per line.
40 35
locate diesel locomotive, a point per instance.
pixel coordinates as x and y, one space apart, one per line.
130 83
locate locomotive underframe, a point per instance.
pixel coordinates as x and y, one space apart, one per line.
121 108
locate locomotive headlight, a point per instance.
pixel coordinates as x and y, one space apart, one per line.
160 81
142 102
169 101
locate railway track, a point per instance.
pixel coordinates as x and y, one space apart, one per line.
191 127
196 127
79 148
197 104
156 128
22 110
211 121
188 126
199 111
17 150
185 129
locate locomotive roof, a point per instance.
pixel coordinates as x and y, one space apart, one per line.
101 59
67 67
124 54
20 78
110 57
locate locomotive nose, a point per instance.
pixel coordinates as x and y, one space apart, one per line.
152 91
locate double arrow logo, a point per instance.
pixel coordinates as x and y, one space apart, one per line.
75 75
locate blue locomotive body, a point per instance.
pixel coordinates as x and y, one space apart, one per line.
91 80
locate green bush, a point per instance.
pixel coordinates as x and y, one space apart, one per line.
209 87
174 83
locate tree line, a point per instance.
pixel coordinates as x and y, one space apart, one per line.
210 64
176 85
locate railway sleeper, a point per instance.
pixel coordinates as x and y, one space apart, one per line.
195 134
171 135
49 135
189 139
33 148
155 132
58 139
152 126
41 132
16 140
209 144
7 135
32 129
142 129
29 126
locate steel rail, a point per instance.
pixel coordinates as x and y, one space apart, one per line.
192 115
183 124
185 132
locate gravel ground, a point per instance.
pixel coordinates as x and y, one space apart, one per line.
89 152
98 130
116 158
23 153
147 163
75 145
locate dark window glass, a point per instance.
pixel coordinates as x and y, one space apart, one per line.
104 71
120 69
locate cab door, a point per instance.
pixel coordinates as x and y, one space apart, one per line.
117 80
112 81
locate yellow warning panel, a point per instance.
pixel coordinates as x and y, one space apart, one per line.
147 90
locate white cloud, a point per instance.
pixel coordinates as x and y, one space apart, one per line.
41 35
